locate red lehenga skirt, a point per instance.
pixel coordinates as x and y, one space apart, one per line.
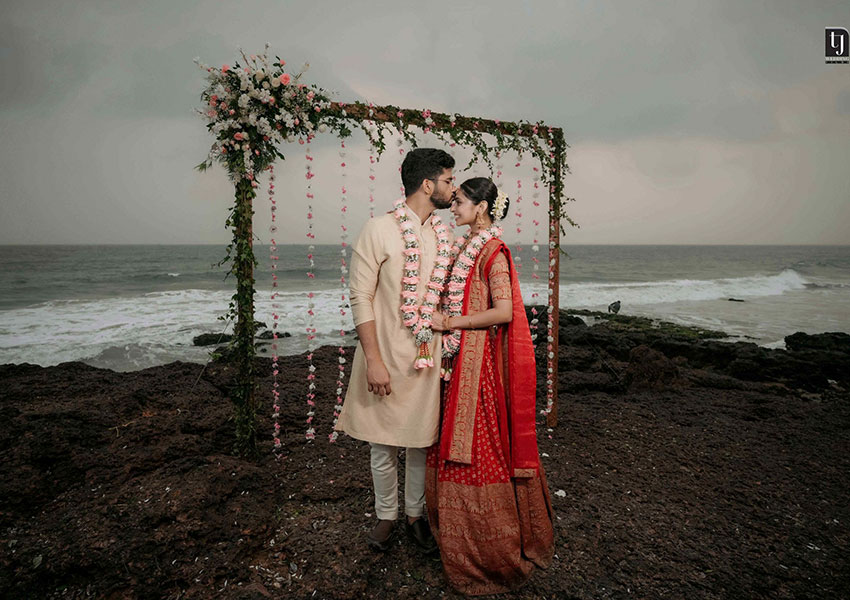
492 529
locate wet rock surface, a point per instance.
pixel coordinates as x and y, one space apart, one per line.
689 467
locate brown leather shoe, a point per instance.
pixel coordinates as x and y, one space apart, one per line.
382 535
419 532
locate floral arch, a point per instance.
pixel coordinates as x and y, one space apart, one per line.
255 106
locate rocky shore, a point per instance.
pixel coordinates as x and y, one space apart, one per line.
682 466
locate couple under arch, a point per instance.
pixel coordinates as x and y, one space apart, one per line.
445 369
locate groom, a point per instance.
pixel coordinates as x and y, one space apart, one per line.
389 403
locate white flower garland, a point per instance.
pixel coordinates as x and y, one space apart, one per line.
418 318
457 281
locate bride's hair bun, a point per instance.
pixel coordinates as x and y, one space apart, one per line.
482 189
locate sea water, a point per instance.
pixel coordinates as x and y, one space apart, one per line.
133 307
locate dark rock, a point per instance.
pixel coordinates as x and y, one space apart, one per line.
834 341
735 300
208 339
269 335
571 321
650 370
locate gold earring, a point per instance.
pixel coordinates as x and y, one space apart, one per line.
479 220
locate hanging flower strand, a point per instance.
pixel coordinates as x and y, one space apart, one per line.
551 308
535 248
273 258
518 214
343 270
311 314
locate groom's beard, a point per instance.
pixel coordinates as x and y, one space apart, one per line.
441 203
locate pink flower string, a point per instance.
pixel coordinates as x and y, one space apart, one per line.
551 308
311 305
371 185
535 248
498 177
400 143
518 215
273 258
343 271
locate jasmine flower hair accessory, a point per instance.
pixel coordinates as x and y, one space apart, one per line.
500 206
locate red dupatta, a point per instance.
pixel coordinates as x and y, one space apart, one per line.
514 356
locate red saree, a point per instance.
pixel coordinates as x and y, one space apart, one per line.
486 493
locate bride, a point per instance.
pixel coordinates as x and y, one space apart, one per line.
486 493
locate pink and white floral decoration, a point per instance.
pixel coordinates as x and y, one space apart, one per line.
273 258
518 214
535 257
311 306
343 271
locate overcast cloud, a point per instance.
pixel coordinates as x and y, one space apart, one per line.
689 122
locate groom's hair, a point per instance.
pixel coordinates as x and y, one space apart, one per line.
421 164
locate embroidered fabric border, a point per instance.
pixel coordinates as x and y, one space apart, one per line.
470 357
491 536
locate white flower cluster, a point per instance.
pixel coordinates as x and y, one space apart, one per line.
500 206
252 108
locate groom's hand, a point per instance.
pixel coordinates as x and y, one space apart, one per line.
378 378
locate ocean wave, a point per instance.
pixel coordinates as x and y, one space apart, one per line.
166 321
85 328
677 290
826 286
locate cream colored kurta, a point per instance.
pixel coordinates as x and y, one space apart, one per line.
409 416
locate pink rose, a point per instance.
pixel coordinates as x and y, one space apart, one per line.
285 79
225 68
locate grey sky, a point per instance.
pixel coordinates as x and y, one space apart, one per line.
690 122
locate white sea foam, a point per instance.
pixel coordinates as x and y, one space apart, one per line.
149 327
133 332
594 295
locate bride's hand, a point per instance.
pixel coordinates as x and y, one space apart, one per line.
439 321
